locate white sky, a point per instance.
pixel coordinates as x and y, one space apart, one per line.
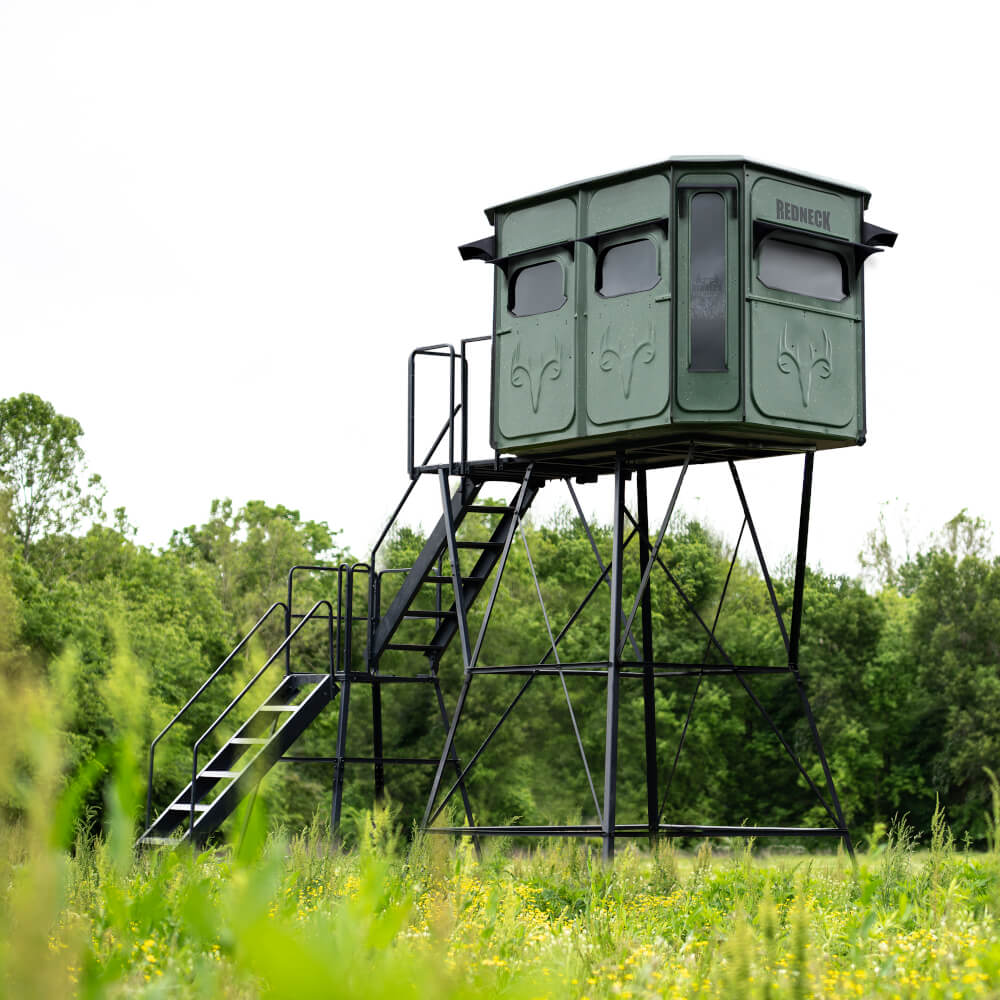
224 225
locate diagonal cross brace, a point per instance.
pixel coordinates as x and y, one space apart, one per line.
655 555
714 642
701 675
428 816
748 521
562 676
515 522
746 687
597 554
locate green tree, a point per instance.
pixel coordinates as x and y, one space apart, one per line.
10 610
41 465
111 593
931 694
955 642
250 551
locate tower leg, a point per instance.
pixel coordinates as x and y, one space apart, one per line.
794 634
648 689
614 669
446 753
338 774
377 741
454 757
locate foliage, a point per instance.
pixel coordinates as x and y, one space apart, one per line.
903 682
41 462
250 550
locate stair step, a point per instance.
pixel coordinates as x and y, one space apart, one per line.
494 546
413 647
434 578
479 508
231 779
429 614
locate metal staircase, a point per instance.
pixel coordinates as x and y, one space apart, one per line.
429 592
272 728
427 572
241 762
237 767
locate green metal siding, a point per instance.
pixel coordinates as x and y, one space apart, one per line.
804 370
534 366
627 336
611 368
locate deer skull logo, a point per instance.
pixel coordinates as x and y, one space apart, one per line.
818 363
626 354
534 372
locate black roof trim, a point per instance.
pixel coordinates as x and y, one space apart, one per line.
661 223
876 236
859 252
484 249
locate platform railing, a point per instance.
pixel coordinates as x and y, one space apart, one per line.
345 620
458 408
432 351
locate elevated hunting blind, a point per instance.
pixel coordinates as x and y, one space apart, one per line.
700 310
710 295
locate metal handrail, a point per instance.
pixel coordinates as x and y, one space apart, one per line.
349 617
441 351
465 394
253 680
215 673
462 406
339 570
448 428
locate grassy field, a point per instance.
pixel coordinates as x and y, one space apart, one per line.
290 918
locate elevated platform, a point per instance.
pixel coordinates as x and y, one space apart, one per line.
588 463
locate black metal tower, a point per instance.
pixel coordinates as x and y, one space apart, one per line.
271 729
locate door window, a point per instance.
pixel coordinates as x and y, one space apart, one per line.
628 267
708 300
537 289
789 267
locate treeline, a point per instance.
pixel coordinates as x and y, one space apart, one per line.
904 677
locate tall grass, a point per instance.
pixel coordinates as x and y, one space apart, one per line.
278 915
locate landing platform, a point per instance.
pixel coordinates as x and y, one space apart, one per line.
587 464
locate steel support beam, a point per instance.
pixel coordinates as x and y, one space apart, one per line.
377 742
648 686
614 668
794 635
641 830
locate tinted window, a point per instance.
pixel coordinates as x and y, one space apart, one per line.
537 289
708 283
628 267
803 270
